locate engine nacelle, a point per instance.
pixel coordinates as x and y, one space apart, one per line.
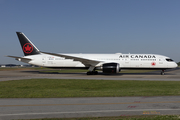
111 68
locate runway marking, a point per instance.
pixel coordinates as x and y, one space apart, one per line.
89 112
89 104
150 112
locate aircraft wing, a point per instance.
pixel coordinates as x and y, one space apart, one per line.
85 61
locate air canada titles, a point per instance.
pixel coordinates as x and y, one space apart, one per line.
137 56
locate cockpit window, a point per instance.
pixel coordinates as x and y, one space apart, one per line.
169 60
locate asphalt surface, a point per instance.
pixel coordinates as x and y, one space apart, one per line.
170 75
30 108
87 107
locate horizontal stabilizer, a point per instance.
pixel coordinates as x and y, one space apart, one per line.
19 58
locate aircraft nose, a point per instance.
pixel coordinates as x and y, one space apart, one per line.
175 65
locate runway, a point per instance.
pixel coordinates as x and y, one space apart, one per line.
170 75
29 108
87 107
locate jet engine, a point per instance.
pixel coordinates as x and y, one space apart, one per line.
111 68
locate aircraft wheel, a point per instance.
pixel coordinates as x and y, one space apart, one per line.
89 73
162 73
95 72
92 72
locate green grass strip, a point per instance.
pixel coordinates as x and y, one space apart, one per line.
58 88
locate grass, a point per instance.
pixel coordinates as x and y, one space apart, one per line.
50 88
59 88
142 117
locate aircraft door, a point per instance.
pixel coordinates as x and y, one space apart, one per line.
127 63
43 60
161 62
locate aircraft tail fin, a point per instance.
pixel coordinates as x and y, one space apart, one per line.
27 46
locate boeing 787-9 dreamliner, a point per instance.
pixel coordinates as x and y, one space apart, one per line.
108 63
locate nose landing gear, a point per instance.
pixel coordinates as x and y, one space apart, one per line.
162 72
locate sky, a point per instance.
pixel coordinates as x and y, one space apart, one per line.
91 26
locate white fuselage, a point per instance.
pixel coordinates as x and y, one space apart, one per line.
108 63
126 61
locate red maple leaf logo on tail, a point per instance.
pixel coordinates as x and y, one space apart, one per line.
28 48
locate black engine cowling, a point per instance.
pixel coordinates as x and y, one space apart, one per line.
111 68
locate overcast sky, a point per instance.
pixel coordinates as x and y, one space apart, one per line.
91 26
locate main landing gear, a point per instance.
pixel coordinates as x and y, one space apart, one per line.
162 72
92 72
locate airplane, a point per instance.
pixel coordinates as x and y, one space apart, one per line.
107 63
